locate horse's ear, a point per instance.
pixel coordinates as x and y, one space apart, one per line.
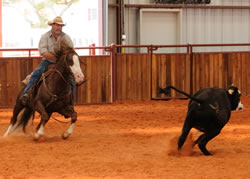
63 44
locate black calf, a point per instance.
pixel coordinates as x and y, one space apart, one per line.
208 111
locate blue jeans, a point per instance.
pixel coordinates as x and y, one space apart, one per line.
42 68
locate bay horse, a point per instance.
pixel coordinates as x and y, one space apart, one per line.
51 94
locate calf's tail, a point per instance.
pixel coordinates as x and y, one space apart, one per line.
167 92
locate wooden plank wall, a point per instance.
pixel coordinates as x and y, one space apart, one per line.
133 79
170 69
12 72
96 90
221 70
138 76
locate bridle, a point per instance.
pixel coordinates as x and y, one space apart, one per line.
54 96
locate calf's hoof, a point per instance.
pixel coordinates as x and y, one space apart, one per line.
207 153
204 150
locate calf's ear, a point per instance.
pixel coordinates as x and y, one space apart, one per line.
230 91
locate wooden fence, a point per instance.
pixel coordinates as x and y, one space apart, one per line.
97 89
133 77
137 76
170 69
221 70
191 72
12 72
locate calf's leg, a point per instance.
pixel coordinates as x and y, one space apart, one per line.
185 130
204 139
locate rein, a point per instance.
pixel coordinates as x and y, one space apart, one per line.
60 75
60 120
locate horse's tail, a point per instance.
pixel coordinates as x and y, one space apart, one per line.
25 117
167 92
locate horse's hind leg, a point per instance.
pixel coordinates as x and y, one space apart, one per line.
69 111
13 120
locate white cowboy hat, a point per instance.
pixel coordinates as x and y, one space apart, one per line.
57 20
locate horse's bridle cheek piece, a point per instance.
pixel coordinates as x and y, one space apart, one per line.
65 61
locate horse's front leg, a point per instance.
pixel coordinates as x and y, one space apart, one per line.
69 112
44 119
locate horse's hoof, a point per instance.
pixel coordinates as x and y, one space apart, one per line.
65 135
36 137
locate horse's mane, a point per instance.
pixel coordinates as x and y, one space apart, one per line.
62 49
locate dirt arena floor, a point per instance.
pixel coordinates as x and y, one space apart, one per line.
136 139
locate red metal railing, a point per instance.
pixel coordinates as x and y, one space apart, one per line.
150 48
192 46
